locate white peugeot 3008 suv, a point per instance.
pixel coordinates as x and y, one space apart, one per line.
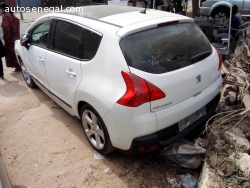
139 81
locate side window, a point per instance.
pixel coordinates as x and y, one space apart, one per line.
91 42
67 38
40 34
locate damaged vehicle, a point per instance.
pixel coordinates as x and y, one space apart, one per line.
138 80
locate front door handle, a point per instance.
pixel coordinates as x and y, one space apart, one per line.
71 73
40 60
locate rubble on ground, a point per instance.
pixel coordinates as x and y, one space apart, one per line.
235 136
211 21
184 154
242 161
227 141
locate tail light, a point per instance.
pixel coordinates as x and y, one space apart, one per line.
149 148
138 91
220 60
168 23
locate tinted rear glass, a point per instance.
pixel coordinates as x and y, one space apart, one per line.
165 49
67 38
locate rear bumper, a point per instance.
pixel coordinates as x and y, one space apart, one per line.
170 135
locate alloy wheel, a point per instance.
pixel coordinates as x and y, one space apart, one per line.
25 73
219 15
93 129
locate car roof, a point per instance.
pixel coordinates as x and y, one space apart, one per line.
101 11
121 16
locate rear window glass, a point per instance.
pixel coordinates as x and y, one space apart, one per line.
67 38
165 49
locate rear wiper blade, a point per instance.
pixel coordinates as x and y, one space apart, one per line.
200 56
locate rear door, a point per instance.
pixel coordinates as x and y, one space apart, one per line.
63 65
176 58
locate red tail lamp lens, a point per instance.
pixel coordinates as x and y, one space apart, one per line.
150 148
167 23
138 91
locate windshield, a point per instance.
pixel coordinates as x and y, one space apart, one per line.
165 49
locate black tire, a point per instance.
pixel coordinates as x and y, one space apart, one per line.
221 13
95 130
26 76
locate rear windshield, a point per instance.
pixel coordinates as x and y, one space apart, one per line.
165 49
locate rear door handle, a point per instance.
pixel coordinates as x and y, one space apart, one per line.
40 60
71 73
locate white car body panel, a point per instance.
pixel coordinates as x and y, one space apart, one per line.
135 122
63 68
133 28
145 123
18 50
109 72
127 19
99 81
180 111
35 59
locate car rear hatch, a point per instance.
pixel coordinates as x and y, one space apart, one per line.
175 57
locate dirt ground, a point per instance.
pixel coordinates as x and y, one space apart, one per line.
43 146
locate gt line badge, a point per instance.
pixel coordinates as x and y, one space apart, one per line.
198 78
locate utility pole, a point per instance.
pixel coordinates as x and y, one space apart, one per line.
19 4
195 5
229 32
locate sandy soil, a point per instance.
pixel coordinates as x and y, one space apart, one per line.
43 146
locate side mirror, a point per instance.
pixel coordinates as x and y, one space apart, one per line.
25 39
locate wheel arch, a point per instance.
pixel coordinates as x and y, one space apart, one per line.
218 6
107 145
79 107
18 50
19 59
97 105
101 108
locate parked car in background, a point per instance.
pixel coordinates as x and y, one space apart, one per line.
221 8
118 2
138 81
